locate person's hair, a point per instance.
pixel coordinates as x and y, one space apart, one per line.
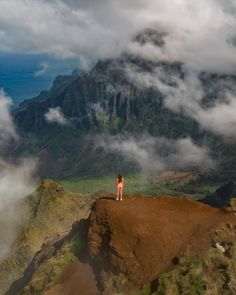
119 178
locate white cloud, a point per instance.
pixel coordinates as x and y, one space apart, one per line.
200 33
155 154
43 68
99 109
220 118
65 28
16 179
140 151
54 115
7 128
189 154
185 96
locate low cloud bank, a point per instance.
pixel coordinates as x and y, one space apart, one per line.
16 180
201 33
7 128
155 154
55 115
43 68
186 95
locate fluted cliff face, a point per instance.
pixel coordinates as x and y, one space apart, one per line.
107 100
91 99
107 97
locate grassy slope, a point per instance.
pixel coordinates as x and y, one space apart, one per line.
212 273
50 271
54 210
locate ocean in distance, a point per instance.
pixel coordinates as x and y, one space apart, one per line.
24 76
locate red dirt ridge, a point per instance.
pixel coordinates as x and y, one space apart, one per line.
141 236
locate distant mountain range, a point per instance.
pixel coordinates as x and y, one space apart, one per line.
105 100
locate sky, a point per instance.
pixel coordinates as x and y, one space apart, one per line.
44 38
89 30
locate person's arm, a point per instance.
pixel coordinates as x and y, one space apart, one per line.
123 181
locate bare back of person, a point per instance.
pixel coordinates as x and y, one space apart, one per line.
120 187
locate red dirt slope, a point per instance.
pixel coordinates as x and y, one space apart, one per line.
78 279
141 236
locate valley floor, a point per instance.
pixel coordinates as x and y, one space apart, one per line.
141 184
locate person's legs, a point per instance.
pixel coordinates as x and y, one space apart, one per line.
121 194
117 194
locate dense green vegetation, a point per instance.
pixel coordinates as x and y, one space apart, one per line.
49 272
51 210
212 273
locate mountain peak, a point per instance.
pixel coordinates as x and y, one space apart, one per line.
50 185
152 36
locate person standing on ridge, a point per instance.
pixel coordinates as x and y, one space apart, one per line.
120 187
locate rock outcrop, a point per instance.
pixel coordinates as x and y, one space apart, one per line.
222 196
232 205
138 239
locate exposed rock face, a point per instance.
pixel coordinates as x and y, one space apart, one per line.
232 205
139 237
150 36
78 279
222 196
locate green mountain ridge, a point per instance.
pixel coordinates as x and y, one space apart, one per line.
104 101
49 211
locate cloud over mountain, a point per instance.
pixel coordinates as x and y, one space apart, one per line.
7 128
43 68
55 115
155 154
200 33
